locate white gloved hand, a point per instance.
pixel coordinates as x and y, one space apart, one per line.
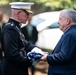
37 50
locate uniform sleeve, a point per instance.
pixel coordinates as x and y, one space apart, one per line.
11 48
66 52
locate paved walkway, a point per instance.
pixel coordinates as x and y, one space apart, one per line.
41 68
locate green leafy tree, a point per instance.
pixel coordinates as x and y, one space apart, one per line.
52 4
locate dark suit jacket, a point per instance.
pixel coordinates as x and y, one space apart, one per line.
15 47
34 36
63 59
0 39
1 26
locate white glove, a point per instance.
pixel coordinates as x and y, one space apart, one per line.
37 50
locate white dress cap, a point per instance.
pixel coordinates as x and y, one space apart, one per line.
22 5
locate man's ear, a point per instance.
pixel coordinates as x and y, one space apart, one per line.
68 21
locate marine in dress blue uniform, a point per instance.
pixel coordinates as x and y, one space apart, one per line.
15 47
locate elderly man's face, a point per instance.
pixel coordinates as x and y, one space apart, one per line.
23 17
63 21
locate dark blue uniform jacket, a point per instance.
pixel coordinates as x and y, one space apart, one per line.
63 59
15 48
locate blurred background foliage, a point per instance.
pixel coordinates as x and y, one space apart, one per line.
41 6
51 4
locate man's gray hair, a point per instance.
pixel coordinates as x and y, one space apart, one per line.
70 14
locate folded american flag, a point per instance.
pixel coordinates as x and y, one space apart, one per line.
34 57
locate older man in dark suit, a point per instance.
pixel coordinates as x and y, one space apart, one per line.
63 59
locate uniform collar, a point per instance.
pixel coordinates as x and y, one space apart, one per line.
14 22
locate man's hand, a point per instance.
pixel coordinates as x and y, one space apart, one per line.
44 57
37 50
